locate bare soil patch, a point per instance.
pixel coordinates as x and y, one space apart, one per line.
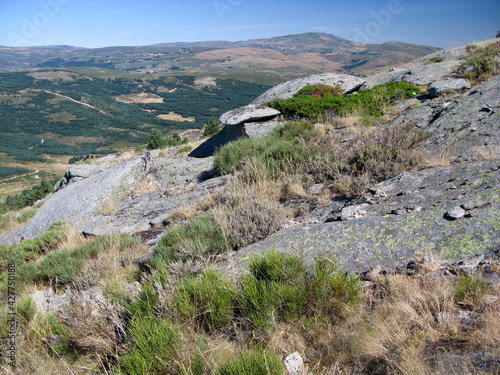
176 117
143 97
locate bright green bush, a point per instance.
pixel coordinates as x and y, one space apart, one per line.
370 102
155 341
331 293
207 300
201 237
275 289
470 289
254 362
212 127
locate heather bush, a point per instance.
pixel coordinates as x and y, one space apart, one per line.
372 102
206 300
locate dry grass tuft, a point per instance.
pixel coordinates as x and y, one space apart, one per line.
146 185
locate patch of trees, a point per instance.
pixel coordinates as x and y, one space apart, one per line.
110 121
12 171
27 197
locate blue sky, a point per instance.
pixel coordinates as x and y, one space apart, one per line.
101 23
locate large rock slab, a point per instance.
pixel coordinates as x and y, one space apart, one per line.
441 87
414 72
248 113
144 212
469 128
405 219
80 201
288 89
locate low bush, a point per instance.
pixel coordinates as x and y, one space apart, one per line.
234 221
433 60
275 288
483 62
212 127
154 344
206 300
201 238
470 289
295 149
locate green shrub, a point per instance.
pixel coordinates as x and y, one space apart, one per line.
155 341
201 237
235 221
254 362
184 149
433 60
483 62
211 128
279 152
372 102
332 293
26 309
274 289
27 250
207 300
470 289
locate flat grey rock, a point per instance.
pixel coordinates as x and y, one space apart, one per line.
80 201
469 128
440 87
248 113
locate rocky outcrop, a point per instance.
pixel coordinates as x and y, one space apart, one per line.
81 200
288 89
248 113
401 220
453 84
75 174
469 127
144 212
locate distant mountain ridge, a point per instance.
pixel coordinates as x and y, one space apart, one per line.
325 53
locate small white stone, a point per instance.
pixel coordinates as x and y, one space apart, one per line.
294 364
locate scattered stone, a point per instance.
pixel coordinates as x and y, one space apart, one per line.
354 212
455 213
316 189
294 364
371 275
471 262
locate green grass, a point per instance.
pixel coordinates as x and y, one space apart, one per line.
295 148
470 289
26 215
253 362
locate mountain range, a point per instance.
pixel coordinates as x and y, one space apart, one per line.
288 56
